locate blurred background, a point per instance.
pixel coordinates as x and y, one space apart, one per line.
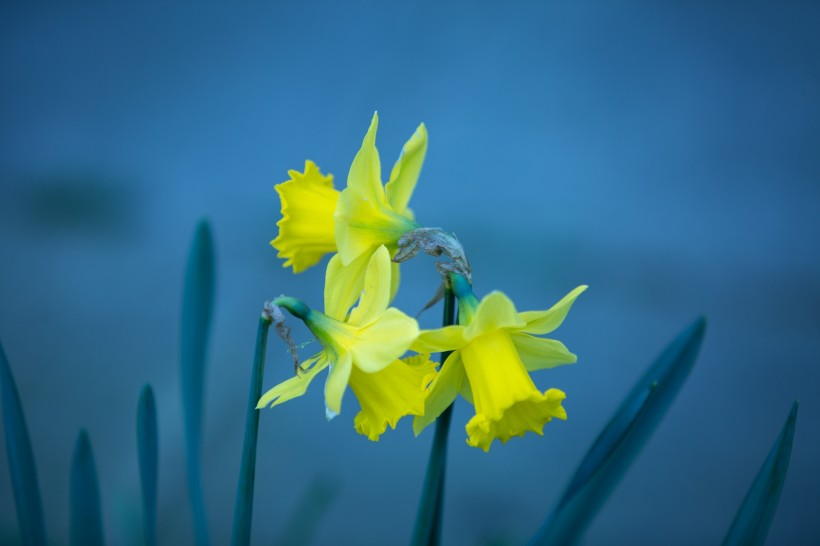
666 155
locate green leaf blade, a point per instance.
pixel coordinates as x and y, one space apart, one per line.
243 508
622 440
22 467
147 452
85 515
754 517
197 309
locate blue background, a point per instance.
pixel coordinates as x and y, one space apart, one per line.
666 155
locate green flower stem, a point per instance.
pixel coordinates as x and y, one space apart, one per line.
467 302
243 509
295 307
427 530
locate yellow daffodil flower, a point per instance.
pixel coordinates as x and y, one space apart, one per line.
494 349
369 214
362 350
317 219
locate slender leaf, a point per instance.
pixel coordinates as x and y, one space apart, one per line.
21 460
243 509
427 530
622 440
86 518
147 451
753 519
310 510
197 307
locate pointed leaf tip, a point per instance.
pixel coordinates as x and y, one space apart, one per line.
85 515
197 309
622 439
22 467
754 517
203 231
147 452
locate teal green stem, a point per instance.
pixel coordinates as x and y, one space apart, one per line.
243 509
295 307
467 302
427 530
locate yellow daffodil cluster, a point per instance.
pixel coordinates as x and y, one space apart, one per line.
365 342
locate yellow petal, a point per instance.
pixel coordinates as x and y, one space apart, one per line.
507 402
377 284
443 392
390 394
336 383
544 322
362 224
495 311
364 219
496 374
447 338
538 353
295 386
406 171
365 171
343 285
466 392
306 230
383 340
